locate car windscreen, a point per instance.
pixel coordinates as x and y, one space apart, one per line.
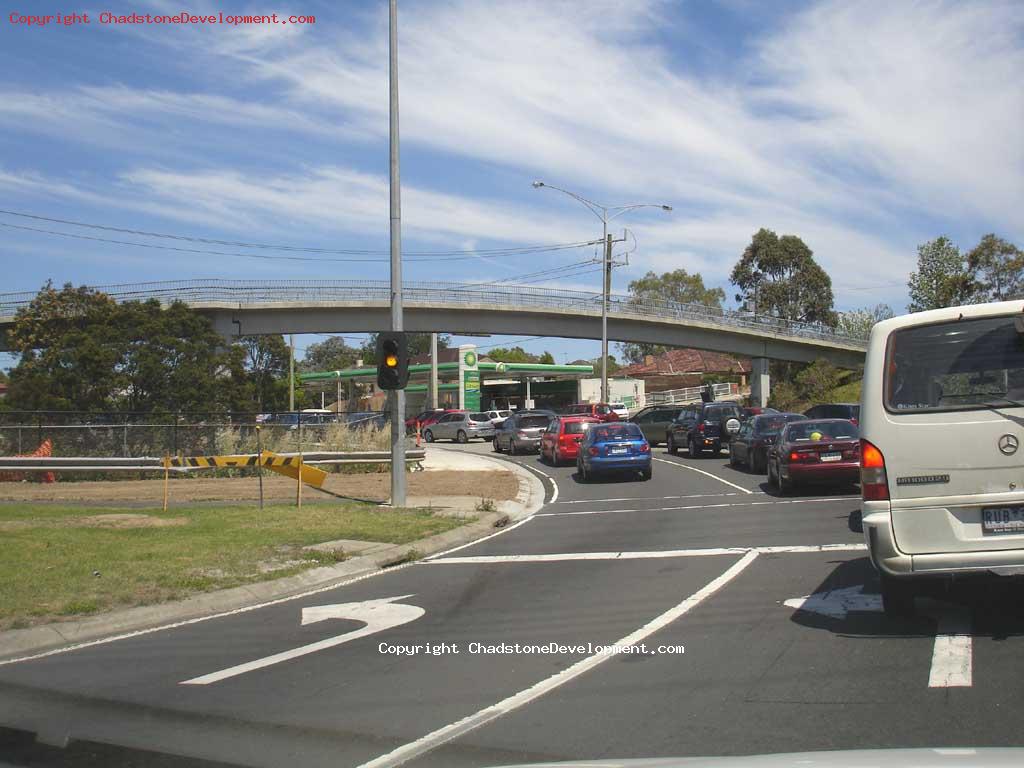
576 427
627 431
812 431
532 422
957 365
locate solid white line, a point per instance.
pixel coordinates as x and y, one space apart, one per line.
713 477
506 529
691 506
653 498
647 554
554 483
952 655
447 733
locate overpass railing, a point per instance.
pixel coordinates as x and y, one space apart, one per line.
689 394
245 292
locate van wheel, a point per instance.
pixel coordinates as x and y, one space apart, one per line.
428 436
897 597
461 437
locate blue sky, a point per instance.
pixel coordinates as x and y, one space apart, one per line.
865 128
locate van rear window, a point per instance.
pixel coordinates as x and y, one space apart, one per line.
959 365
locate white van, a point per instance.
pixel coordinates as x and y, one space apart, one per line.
941 425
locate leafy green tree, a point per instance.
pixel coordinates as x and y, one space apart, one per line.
266 363
546 358
942 278
778 276
858 322
332 354
997 269
679 287
519 355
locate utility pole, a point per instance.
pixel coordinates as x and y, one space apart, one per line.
291 372
604 313
396 398
432 395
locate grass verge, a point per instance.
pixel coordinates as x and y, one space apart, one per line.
63 561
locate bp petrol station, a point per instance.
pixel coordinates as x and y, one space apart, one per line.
473 384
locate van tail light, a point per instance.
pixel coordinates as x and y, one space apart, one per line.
595 451
700 428
645 448
874 486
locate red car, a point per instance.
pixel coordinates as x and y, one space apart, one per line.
427 418
561 440
815 451
599 411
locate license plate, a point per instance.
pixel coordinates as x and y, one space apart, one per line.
836 456
995 520
617 451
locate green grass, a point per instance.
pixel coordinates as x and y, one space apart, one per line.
52 565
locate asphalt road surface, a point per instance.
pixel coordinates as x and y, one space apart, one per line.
701 572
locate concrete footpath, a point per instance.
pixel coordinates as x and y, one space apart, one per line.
376 558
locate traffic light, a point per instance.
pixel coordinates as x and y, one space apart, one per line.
392 360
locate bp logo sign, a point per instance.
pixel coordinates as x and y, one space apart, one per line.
470 359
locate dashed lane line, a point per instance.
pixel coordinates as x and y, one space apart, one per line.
654 498
645 554
443 735
694 506
701 471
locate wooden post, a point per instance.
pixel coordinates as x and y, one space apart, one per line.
298 480
259 466
167 474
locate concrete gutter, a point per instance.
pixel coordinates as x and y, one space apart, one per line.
46 637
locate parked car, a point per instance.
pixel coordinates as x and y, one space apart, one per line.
848 411
703 427
522 431
620 410
363 420
561 440
599 411
750 445
821 451
941 483
421 418
608 448
434 417
654 421
460 427
497 417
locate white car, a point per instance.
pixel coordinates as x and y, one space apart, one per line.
620 410
941 425
497 417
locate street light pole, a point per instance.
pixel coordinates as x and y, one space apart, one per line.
602 211
396 397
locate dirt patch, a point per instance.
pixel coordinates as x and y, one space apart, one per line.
497 485
125 520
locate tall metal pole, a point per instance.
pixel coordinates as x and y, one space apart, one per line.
604 312
396 397
433 371
291 372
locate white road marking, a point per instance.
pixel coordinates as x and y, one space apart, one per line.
645 554
554 483
952 655
383 613
693 506
653 498
447 733
713 477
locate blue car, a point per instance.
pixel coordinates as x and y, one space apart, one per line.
614 447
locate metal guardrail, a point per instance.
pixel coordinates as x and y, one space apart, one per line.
687 394
248 292
148 463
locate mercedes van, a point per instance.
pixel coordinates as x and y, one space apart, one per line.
941 425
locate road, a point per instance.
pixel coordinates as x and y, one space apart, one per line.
702 556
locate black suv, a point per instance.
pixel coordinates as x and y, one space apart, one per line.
704 427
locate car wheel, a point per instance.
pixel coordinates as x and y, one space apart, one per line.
691 448
646 474
771 477
732 458
461 437
428 436
785 485
555 458
581 471
672 446
897 597
495 445
757 464
513 449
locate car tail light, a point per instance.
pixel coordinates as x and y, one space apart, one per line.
874 486
595 451
644 448
802 457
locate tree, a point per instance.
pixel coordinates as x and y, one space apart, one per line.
266 363
332 354
778 276
678 287
546 358
519 355
941 279
997 269
858 322
613 365
419 344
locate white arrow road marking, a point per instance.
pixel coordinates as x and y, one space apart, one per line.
952 653
378 614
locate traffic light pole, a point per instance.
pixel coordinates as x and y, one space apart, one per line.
396 398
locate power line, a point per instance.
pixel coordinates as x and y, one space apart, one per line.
303 249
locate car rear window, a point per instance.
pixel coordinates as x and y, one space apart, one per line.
770 426
721 411
810 431
479 417
576 427
531 422
622 431
954 366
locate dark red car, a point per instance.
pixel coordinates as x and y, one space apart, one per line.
427 418
561 440
823 451
599 411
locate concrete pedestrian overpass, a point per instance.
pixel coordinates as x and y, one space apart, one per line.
254 307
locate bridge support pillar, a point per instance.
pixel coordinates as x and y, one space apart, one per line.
759 382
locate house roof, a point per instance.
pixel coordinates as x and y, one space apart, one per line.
683 361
